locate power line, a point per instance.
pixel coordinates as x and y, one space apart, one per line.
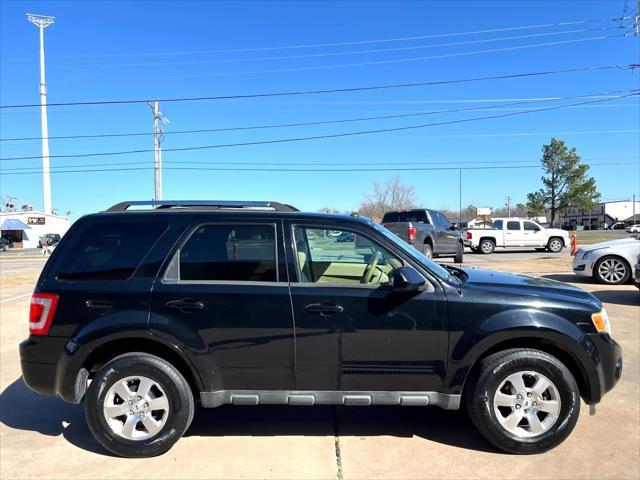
321 122
355 42
319 137
357 64
299 164
334 90
323 170
336 54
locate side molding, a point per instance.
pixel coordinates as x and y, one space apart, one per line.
306 397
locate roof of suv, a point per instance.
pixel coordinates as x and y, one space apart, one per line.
223 206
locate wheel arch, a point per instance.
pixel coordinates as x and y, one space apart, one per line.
111 349
536 343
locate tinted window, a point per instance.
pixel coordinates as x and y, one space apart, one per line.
530 226
349 258
413 216
109 251
513 225
440 220
230 252
390 217
497 224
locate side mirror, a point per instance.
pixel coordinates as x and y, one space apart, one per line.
454 226
407 280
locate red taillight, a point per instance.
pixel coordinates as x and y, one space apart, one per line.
468 235
41 312
412 234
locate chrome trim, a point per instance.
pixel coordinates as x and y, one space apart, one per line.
328 397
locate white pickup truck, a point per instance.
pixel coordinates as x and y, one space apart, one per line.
515 232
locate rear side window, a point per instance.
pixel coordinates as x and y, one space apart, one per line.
513 225
390 217
109 251
230 253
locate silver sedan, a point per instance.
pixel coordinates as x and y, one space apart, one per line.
608 262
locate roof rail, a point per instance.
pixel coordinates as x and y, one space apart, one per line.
203 204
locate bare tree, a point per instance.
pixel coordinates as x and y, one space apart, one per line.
392 195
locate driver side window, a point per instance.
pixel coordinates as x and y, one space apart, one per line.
342 256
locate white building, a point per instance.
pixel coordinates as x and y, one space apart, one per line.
606 213
25 228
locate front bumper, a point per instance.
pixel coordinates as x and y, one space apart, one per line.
605 368
46 364
637 275
582 268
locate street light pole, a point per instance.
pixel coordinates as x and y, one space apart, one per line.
43 22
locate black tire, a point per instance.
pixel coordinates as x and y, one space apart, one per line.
179 396
555 245
427 250
614 260
493 371
487 246
459 257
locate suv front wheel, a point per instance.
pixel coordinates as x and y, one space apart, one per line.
524 401
138 405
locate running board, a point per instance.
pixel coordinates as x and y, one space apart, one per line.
304 397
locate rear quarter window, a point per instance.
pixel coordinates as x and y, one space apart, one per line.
108 250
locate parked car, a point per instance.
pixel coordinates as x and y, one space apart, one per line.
51 238
607 262
5 244
428 231
637 273
633 228
616 226
345 237
516 232
139 313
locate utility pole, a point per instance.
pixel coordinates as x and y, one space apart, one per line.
43 22
158 135
509 206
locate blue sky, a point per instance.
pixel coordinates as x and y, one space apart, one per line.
116 50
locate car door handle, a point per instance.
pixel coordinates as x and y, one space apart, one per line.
185 304
324 309
98 305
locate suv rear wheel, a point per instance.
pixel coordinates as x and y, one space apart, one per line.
138 405
524 401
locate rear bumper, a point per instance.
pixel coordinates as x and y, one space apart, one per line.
45 363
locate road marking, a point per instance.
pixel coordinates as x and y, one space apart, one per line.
15 298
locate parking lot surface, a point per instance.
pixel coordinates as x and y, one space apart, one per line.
42 437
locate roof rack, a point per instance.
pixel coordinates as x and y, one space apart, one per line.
203 204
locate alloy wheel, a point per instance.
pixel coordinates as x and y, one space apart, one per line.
612 270
555 245
136 408
527 404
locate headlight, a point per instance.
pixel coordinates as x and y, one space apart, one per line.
601 321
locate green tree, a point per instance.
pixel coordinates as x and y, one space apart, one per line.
565 182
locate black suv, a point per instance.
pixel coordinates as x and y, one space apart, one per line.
141 313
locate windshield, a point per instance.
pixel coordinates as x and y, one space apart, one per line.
437 270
